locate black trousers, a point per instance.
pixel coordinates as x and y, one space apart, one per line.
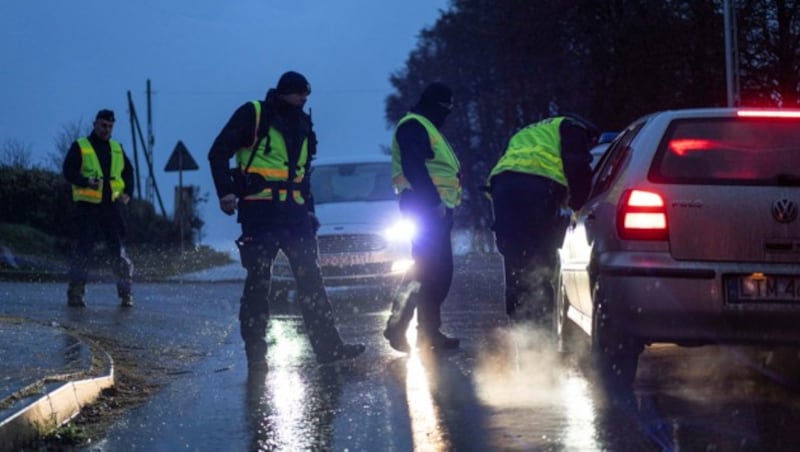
93 222
258 247
528 229
431 277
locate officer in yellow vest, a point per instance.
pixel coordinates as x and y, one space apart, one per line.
273 144
426 175
102 183
545 169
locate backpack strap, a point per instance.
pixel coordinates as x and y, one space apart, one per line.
259 132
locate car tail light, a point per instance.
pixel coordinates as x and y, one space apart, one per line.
642 215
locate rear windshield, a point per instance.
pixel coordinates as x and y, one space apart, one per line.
752 151
352 182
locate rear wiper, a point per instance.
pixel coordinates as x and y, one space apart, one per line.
788 180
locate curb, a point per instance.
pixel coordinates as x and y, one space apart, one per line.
55 408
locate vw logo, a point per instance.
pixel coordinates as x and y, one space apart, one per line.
784 210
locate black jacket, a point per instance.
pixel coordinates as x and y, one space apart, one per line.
71 168
577 160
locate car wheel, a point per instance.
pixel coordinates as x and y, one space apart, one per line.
564 331
614 353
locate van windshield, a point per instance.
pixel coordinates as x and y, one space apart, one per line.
352 182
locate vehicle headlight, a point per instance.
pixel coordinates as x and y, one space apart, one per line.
404 229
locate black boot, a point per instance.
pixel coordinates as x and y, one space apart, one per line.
397 339
403 305
256 356
436 341
75 293
125 293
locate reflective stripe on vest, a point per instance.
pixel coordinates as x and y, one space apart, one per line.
443 168
272 164
536 150
90 168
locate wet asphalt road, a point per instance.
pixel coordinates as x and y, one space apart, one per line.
502 391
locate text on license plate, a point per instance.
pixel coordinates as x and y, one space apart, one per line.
759 287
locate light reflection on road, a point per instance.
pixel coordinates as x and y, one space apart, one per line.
287 388
423 414
288 404
580 412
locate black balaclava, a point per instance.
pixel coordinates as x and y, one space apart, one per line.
592 131
292 82
435 103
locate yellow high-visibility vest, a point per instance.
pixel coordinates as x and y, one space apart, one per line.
272 164
90 168
443 168
536 150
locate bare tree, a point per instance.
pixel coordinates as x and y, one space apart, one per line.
69 133
16 154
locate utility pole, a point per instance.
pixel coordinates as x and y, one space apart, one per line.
149 149
151 188
731 53
132 115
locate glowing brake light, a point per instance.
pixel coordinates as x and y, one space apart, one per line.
683 146
768 114
642 216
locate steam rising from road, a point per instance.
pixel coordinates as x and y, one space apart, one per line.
521 373
519 367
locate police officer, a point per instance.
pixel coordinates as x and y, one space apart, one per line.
545 169
102 183
425 172
274 143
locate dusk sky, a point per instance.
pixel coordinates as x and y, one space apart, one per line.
63 61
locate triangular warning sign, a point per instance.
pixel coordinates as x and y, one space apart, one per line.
180 160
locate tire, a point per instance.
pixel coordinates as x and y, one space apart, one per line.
565 332
615 354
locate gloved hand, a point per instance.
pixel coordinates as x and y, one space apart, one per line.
312 218
228 204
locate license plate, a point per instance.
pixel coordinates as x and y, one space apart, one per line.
344 260
758 287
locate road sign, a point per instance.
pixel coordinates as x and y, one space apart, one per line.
180 160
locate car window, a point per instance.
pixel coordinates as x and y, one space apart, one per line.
349 182
738 151
597 153
600 148
610 163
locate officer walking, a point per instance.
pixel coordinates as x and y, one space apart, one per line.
102 183
425 172
545 169
274 143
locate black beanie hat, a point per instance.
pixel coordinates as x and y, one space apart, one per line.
292 82
108 115
436 93
592 130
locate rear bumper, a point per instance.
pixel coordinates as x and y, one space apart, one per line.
653 297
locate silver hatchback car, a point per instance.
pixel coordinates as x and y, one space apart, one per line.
690 236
